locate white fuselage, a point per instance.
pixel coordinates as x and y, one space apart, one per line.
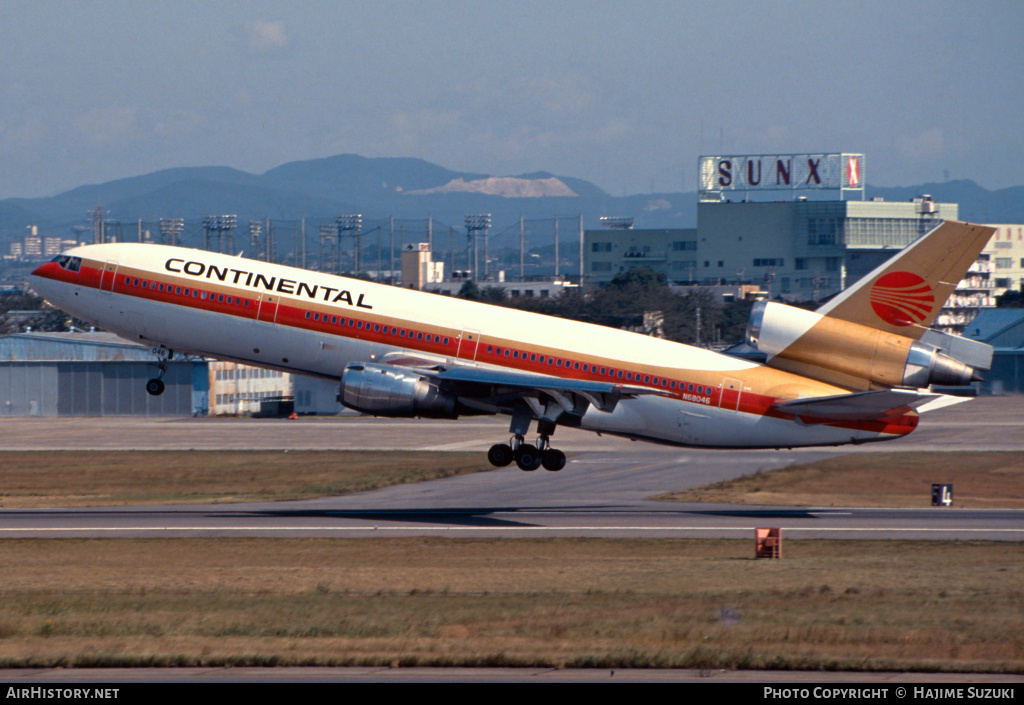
311 323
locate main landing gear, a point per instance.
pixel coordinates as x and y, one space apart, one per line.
155 386
526 455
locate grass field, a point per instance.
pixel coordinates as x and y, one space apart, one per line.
923 606
89 478
981 480
842 605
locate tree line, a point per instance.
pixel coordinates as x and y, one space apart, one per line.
624 301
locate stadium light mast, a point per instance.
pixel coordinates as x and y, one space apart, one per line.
255 238
327 234
352 223
219 224
170 230
474 225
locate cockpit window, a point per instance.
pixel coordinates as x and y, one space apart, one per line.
72 264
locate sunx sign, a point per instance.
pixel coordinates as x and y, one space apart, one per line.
774 172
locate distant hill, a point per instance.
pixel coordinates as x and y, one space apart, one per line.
406 188
321 189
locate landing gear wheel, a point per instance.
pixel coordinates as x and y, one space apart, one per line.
155 386
500 455
527 457
553 460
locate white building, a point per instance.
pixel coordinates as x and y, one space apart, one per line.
239 389
1006 253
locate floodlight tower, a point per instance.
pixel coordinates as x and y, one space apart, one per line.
352 223
255 238
219 224
97 223
170 230
327 235
474 225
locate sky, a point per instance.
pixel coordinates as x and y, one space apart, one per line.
624 94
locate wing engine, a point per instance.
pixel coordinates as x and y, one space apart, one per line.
384 390
433 391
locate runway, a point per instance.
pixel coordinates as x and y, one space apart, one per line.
603 491
686 521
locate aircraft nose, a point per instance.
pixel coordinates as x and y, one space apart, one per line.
41 279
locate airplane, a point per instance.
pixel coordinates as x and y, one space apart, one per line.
857 369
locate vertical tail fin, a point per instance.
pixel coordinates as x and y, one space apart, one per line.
870 335
904 295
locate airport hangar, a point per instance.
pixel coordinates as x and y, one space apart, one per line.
100 374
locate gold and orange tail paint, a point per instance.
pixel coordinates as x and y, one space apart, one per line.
869 336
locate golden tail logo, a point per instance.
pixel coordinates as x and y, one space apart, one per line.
902 298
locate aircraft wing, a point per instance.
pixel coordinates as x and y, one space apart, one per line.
488 390
860 406
475 381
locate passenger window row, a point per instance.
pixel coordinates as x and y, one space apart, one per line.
494 351
186 292
628 376
377 328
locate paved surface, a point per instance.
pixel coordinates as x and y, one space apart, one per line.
602 491
989 423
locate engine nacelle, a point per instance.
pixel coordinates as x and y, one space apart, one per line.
847 353
384 391
926 365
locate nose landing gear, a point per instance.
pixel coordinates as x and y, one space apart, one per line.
155 386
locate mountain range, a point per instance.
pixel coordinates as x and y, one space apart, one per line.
405 188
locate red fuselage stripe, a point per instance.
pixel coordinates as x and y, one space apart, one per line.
428 339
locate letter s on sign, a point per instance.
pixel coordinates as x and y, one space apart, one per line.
725 169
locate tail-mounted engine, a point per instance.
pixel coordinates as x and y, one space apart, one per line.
386 391
849 354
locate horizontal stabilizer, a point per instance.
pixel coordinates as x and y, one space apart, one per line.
942 402
862 406
970 352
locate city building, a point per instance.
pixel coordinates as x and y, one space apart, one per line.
541 289
240 389
791 225
33 244
419 270
786 222
973 293
1006 254
35 247
616 250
